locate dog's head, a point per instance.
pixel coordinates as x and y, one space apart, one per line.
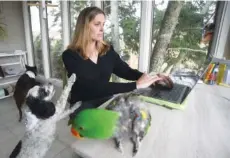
32 69
39 101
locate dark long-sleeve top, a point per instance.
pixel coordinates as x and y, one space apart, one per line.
93 78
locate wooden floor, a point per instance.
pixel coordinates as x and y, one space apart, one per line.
202 130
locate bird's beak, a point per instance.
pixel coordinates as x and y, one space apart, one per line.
76 133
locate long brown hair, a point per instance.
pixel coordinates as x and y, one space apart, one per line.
81 36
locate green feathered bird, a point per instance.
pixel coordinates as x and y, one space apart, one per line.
126 115
95 124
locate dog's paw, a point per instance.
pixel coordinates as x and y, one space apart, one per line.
72 78
134 152
76 106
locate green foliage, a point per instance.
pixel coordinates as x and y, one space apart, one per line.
3 32
38 54
158 17
189 29
56 46
75 9
130 23
57 67
187 33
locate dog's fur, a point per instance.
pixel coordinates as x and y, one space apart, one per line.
131 122
23 85
41 118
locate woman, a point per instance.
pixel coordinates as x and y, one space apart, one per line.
93 61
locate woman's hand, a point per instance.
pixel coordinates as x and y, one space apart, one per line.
166 79
146 80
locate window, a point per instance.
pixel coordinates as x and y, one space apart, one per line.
36 33
188 47
55 32
75 8
122 29
55 38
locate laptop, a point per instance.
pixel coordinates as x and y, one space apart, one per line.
184 81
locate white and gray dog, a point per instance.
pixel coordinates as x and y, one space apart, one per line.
41 119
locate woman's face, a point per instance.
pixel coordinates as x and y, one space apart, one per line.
96 27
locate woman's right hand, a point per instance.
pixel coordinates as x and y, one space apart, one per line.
146 80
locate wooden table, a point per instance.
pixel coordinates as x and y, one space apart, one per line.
202 130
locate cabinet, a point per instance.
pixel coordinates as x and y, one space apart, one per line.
12 66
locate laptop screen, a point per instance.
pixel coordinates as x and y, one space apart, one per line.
192 66
190 76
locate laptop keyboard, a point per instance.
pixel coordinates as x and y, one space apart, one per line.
175 95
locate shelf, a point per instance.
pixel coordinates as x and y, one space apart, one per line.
3 97
15 63
9 76
8 82
11 54
11 62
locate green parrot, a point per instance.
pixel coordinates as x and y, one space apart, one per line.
95 124
126 115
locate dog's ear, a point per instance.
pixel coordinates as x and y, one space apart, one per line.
27 67
35 70
40 108
32 68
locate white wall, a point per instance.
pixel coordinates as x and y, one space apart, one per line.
13 18
227 47
223 31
